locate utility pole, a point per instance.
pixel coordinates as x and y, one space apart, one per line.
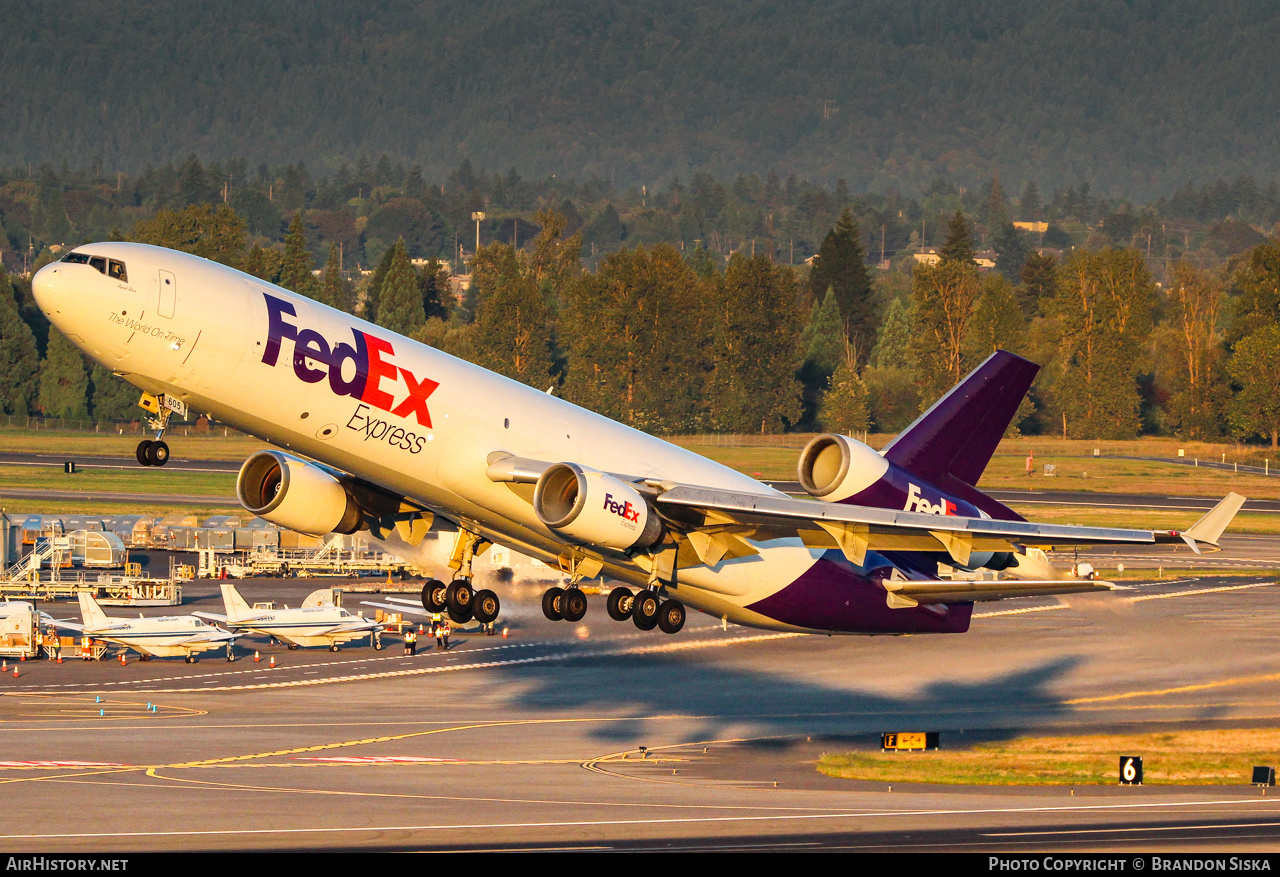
478 216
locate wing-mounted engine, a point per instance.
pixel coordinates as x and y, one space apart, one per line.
595 508
293 493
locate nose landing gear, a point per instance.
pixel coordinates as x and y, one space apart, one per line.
154 452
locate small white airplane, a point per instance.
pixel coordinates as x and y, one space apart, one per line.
382 433
164 637
316 623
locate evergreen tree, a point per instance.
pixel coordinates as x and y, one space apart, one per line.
893 346
756 333
844 405
511 333
297 265
1039 280
373 292
824 343
1030 205
112 398
437 294
19 361
958 247
1011 251
841 266
211 231
400 307
64 383
335 289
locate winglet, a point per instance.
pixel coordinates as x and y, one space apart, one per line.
1210 527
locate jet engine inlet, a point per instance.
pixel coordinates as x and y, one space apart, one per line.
835 467
595 508
293 493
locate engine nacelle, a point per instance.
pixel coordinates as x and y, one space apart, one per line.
295 494
594 508
835 467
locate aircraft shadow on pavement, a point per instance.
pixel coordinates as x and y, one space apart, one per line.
722 701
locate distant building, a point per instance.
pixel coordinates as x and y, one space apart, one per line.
1037 227
928 256
986 259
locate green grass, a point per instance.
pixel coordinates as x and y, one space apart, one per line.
1177 758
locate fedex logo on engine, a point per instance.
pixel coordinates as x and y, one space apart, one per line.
917 503
375 373
624 510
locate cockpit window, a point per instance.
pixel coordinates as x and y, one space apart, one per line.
109 267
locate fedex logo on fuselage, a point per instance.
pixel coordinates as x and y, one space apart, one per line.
624 510
374 371
917 503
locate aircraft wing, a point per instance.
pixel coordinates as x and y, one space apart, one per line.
69 625
719 522
211 616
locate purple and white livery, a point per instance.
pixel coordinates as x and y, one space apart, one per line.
382 433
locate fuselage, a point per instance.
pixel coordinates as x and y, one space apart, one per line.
306 626
423 424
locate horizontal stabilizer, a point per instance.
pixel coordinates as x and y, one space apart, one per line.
209 616
1209 528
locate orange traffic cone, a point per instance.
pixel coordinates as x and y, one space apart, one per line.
22 657
257 659
122 662
504 633
273 661
15 671
59 657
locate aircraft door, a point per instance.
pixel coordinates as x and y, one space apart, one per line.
168 287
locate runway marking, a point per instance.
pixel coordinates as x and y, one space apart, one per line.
52 764
1159 692
1201 591
143 686
844 814
1134 828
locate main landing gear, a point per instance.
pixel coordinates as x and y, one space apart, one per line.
459 598
646 609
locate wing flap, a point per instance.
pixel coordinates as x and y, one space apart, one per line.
979 591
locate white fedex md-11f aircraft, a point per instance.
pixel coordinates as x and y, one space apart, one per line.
380 432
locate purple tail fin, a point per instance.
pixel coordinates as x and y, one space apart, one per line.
951 443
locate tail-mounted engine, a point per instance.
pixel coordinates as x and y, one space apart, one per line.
595 508
296 494
835 467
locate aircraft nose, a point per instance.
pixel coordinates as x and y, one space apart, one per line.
48 288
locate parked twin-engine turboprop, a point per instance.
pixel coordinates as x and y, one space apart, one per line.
382 433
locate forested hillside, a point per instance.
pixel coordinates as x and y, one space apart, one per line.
1135 97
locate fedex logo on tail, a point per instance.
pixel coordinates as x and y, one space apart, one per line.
917 503
375 377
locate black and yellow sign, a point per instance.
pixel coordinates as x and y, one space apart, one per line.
1130 770
903 740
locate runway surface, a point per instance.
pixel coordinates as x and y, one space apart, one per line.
533 741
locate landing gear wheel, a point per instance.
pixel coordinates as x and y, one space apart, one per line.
671 616
293 647
551 603
144 452
377 645
191 659
573 605
619 604
230 656
433 595
644 611
333 647
158 454
458 599
486 606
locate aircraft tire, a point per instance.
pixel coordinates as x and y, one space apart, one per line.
458 597
158 453
551 603
644 611
144 452
573 605
619 604
486 606
433 595
671 616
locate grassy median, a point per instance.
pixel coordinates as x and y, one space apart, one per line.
1223 757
